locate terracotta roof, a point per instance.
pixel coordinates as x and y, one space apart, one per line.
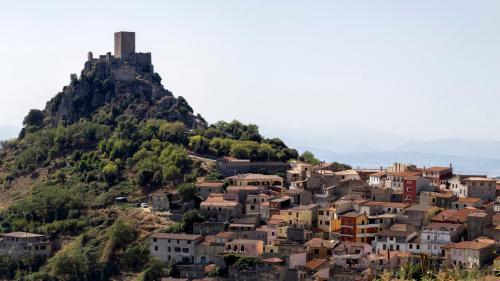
209 184
222 203
404 174
454 215
225 234
255 177
468 200
20 234
478 179
436 169
420 208
385 204
473 245
315 263
351 215
175 236
273 260
303 207
318 242
245 241
443 226
379 174
394 233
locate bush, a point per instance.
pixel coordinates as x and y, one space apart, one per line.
187 191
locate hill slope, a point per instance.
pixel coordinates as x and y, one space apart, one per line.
113 131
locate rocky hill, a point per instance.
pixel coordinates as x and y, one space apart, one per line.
113 131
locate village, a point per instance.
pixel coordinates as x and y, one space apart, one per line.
320 222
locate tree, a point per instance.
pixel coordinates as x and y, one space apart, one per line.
34 118
110 172
189 218
199 144
187 191
309 157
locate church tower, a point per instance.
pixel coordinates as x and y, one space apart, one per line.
124 44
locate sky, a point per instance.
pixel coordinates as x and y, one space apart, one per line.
419 70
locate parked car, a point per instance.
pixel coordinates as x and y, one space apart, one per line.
144 205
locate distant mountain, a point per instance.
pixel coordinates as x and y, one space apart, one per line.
461 147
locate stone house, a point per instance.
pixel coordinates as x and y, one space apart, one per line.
462 203
255 180
420 215
471 254
205 188
250 248
218 209
442 200
21 244
474 186
160 200
177 247
438 175
377 179
304 214
320 248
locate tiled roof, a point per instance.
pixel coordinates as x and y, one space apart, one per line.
209 184
318 242
176 236
385 204
255 177
20 234
468 200
394 233
473 245
454 215
315 263
436 169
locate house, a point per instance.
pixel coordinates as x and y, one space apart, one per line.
255 180
372 208
455 216
356 227
395 180
298 171
377 179
348 175
420 215
463 202
393 240
435 235
412 186
160 200
321 249
205 188
471 254
328 219
351 255
304 214
177 247
442 200
215 208
474 186
21 244
438 175
250 248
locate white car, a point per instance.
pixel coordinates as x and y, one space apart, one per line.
144 205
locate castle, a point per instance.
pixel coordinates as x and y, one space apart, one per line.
126 64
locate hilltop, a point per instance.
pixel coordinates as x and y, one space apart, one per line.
115 130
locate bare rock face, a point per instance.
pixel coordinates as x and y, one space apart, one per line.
111 87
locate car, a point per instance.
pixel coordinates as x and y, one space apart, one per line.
144 205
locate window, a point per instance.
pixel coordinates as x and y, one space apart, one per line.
156 248
185 250
155 240
169 249
189 241
316 251
177 249
242 248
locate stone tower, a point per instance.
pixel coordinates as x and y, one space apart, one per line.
124 44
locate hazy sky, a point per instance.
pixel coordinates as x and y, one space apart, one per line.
419 69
